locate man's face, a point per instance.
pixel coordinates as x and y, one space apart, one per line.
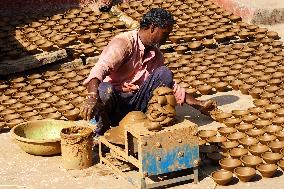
159 35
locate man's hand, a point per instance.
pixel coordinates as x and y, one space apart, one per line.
91 101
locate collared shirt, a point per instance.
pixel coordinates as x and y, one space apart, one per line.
124 64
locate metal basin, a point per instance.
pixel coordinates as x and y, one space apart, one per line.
39 137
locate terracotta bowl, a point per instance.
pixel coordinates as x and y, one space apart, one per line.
238 152
240 113
245 174
258 149
226 130
255 132
232 122
260 124
25 99
216 139
243 127
261 102
60 103
271 157
276 146
266 138
52 99
221 86
46 111
256 110
9 102
278 120
251 160
205 89
42 106
78 100
267 170
230 164
281 164
28 115
204 134
236 136
55 115
9 117
280 135
24 109
12 123
248 141
222 116
72 114
228 145
222 177
271 129
64 108
45 95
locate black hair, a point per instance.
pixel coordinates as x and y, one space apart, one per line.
157 17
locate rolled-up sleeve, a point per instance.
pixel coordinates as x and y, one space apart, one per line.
110 59
179 93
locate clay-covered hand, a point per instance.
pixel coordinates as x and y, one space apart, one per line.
206 106
88 107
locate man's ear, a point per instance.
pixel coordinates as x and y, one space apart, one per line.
152 28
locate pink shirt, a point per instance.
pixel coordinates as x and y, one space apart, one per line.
124 65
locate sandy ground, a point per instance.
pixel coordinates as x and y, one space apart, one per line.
21 170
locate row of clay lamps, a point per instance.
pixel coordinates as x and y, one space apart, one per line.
52 94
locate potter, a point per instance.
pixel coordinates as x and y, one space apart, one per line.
129 69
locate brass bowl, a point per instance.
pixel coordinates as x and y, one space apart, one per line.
255 132
276 146
271 157
232 122
236 136
237 152
267 170
229 164
258 149
222 177
251 160
204 134
245 174
266 138
248 141
226 130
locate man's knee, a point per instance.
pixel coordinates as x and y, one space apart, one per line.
105 91
166 75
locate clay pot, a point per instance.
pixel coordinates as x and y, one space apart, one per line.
276 146
42 106
249 118
236 84
271 129
256 92
255 132
64 108
258 149
71 85
216 139
222 177
220 86
236 136
205 89
9 102
53 115
204 134
60 103
280 135
261 102
16 106
271 157
20 94
47 111
71 96
33 102
248 141
277 100
30 114
55 89
72 114
238 152
232 122
244 127
63 93
245 174
267 170
12 123
267 115
230 164
227 145
10 92
221 117
261 123
244 88
224 131
266 138
44 96
240 113
24 109
9 117
279 120
251 160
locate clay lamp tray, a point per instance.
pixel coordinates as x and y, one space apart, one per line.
267 115
41 106
255 132
249 118
237 152
232 122
258 149
72 115
222 177
9 117
224 131
261 123
44 95
271 129
276 146
266 138
281 164
244 127
248 141
204 134
20 95
16 106
271 157
55 115
236 136
267 170
9 102
10 92
221 117
280 135
228 145
33 102
47 111
64 108
19 86
230 164
256 92
216 139
240 113
12 123
261 102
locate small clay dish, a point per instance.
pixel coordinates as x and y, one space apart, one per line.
271 157
266 138
61 82
276 146
25 99
47 111
216 139
255 132
228 145
205 89
55 89
64 108
230 164
281 164
24 109
261 123
16 106
3 98
9 102
9 117
245 174
261 102
10 92
204 134
72 114
52 99
70 96
60 103
33 102
71 85
45 85
248 141
258 149
249 118
28 115
36 82
267 170
272 107
271 129
237 152
55 115
41 106
251 160
222 177
78 100
44 95
221 86
12 123
240 113
232 122
221 117
224 131
79 89
63 93
236 136
280 135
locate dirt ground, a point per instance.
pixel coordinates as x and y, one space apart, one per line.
21 170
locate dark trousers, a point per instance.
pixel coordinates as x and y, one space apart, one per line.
115 104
